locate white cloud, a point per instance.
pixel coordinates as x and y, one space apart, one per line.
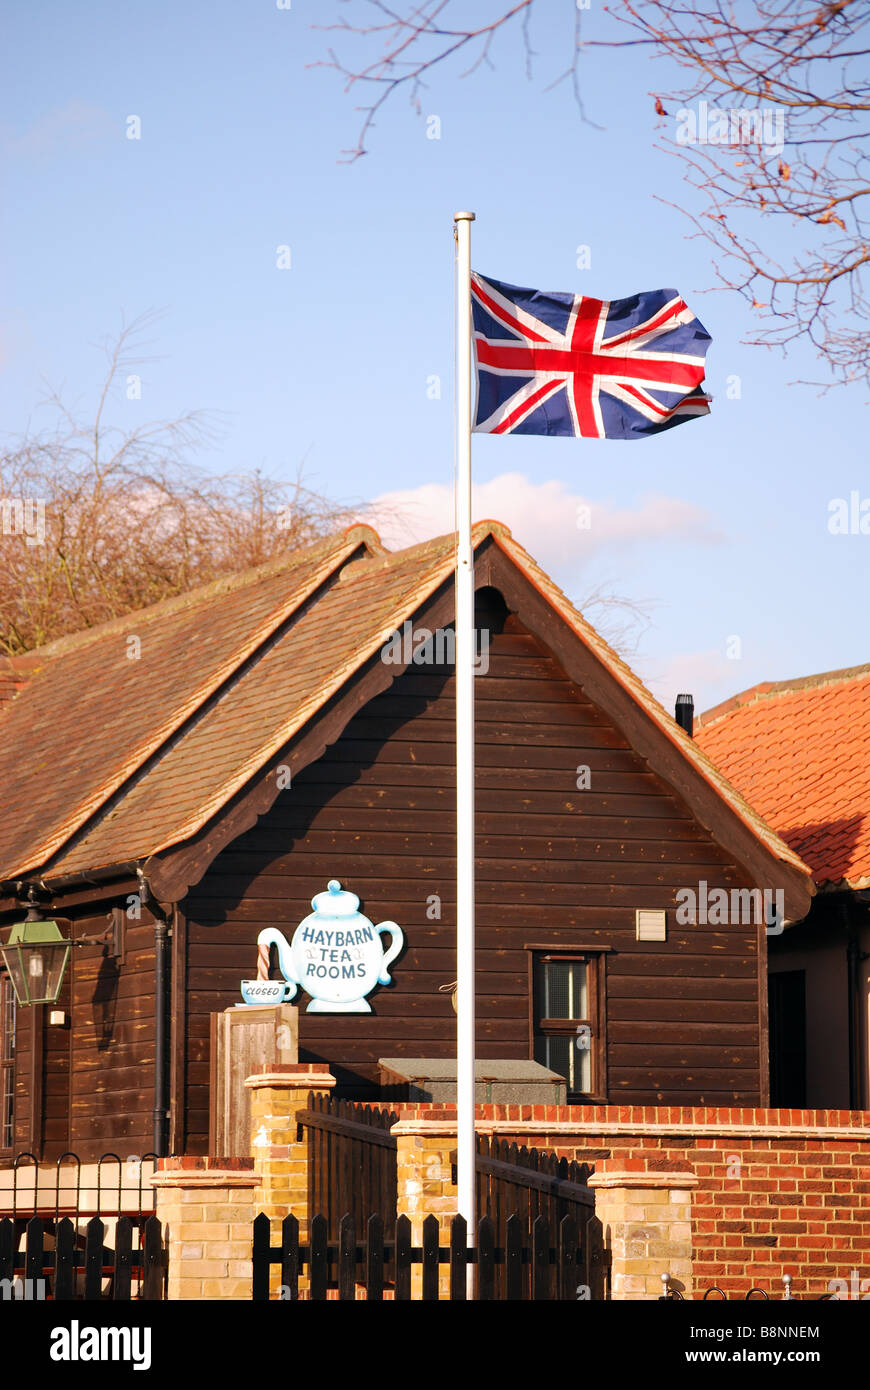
547 518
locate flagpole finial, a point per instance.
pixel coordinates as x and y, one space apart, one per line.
463 217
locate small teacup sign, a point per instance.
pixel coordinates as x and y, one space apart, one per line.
265 991
336 954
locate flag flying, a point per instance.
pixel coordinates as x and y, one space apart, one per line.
566 364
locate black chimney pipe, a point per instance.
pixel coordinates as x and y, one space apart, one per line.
684 713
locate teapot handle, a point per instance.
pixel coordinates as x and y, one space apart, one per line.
396 945
270 936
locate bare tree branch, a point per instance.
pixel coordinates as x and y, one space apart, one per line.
414 42
97 520
780 190
780 193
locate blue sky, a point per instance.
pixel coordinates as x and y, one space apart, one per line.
721 526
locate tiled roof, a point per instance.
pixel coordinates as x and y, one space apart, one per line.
93 711
269 702
106 759
799 751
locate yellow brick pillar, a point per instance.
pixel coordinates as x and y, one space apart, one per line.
278 1094
424 1162
646 1220
206 1209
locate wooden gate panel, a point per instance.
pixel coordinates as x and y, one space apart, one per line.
243 1040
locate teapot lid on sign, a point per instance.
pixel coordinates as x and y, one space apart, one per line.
335 902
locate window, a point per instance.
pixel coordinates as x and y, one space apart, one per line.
567 1021
7 1061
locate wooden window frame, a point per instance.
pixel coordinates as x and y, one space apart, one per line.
7 1065
595 958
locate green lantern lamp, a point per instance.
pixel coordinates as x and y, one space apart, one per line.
36 956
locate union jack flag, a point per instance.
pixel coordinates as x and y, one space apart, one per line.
567 364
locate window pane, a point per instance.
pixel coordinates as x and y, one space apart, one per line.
555 1053
564 989
582 1045
7 1020
562 1055
562 996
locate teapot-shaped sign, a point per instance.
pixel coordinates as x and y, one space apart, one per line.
336 954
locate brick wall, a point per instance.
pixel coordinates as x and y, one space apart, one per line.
779 1191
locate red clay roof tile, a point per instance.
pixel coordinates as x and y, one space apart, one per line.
797 750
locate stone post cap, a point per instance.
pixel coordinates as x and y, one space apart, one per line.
206 1171
655 1172
292 1076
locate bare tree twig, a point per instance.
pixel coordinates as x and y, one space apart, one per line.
802 63
417 40
786 217
126 516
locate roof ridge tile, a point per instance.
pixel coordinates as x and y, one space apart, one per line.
796 685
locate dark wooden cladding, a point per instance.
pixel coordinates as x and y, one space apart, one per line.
98 1067
556 865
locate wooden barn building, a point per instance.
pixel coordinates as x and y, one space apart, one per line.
177 780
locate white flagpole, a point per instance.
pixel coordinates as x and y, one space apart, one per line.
465 1141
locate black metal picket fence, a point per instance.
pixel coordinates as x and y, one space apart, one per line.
534 1268
56 1261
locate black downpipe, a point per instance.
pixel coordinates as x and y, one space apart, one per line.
161 974
161 1021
